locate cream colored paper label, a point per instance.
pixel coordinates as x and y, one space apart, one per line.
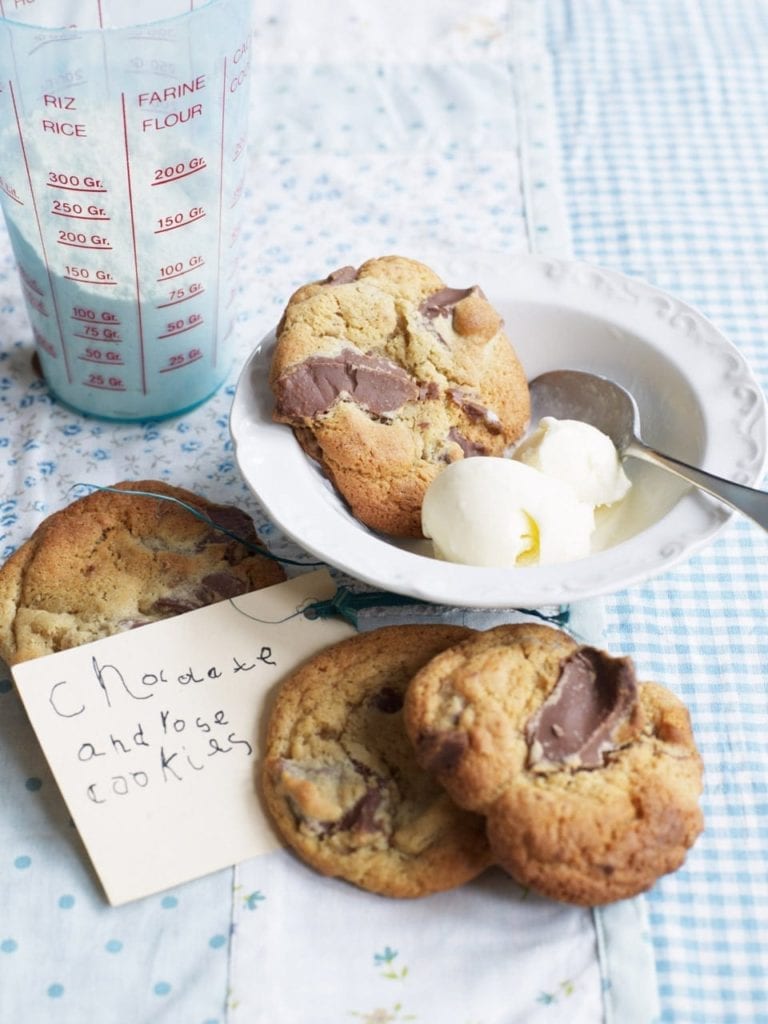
154 735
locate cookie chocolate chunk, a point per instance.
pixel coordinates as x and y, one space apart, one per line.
386 376
111 562
577 724
588 779
315 386
340 777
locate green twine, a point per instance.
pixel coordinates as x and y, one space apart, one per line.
561 618
345 603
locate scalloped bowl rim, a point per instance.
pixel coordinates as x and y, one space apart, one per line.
731 441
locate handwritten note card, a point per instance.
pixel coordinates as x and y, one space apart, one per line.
153 735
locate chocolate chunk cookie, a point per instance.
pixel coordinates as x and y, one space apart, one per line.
589 780
110 562
341 780
386 376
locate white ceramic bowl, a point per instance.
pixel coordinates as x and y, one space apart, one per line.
697 397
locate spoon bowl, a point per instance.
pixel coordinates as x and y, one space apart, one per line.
606 405
589 397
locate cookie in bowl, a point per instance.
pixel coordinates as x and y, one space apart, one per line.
588 779
340 778
110 562
386 375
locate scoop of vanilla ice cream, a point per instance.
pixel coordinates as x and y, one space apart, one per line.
496 512
578 454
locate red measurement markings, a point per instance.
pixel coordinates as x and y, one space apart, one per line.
69 277
74 183
74 211
38 222
10 191
235 234
179 220
75 188
225 79
175 172
238 149
79 240
84 274
29 281
78 216
179 269
182 359
34 299
84 245
94 334
96 355
96 380
34 293
182 295
88 316
42 343
32 287
237 195
182 326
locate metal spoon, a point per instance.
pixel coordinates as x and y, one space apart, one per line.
576 395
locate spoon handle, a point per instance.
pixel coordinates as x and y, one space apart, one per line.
751 502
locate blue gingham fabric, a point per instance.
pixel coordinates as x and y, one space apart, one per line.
663 117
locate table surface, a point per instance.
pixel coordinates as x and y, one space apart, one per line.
632 135
661 109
